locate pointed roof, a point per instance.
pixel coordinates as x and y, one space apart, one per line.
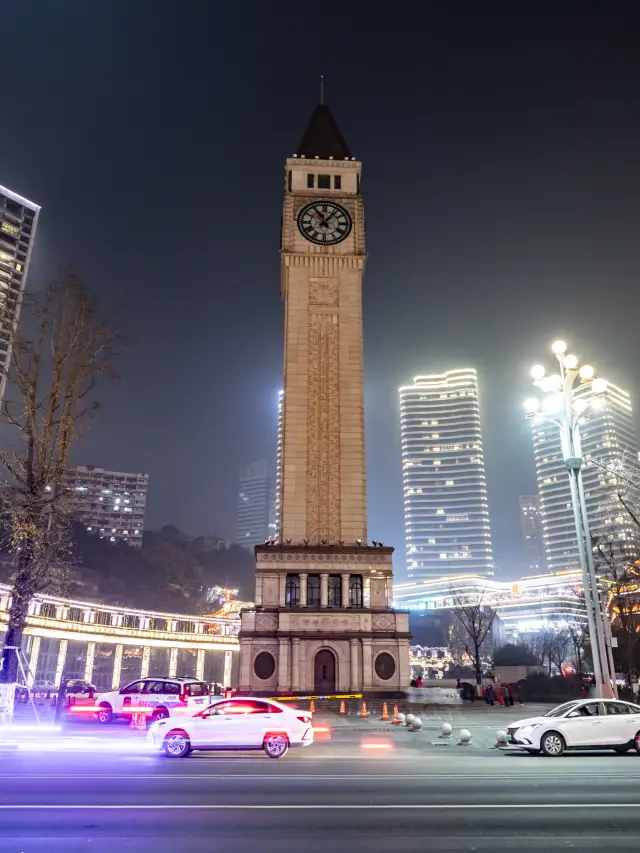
322 138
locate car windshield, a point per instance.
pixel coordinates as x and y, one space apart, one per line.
561 710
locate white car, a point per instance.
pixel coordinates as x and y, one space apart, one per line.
583 724
235 724
159 698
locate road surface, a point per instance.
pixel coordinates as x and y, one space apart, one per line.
333 797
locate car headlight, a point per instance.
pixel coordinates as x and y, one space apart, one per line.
526 731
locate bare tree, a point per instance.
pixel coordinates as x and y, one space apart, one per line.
476 618
560 649
56 364
579 637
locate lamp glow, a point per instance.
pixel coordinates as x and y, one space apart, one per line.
537 371
586 372
570 362
532 404
599 386
551 403
559 347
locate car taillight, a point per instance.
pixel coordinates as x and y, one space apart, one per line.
183 697
305 719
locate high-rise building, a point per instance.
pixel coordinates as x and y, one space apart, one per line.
252 519
111 504
446 509
18 224
531 527
606 436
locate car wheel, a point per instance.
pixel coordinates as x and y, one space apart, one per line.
552 744
276 745
636 742
159 714
105 714
177 744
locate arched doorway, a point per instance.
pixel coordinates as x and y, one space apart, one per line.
324 672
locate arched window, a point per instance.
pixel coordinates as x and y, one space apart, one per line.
335 591
355 591
313 591
292 591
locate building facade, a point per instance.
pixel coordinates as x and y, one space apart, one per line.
111 504
323 620
531 529
606 436
18 226
446 509
254 500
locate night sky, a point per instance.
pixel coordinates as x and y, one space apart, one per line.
500 145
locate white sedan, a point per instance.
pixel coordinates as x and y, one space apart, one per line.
584 724
241 723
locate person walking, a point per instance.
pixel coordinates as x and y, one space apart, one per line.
491 696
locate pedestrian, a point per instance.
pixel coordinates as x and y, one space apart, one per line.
519 694
498 693
412 683
584 693
491 696
418 681
505 695
510 694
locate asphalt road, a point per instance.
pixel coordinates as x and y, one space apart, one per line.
333 797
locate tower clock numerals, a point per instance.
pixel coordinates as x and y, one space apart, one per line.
324 222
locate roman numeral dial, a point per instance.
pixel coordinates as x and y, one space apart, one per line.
324 222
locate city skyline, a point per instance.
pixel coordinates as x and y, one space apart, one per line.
526 230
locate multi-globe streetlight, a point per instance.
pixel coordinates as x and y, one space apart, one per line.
561 407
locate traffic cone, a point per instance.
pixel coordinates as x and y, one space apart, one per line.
343 708
395 720
385 712
363 711
312 707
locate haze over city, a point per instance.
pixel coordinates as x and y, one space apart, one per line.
500 173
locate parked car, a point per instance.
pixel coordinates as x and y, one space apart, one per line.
235 724
583 724
158 697
78 687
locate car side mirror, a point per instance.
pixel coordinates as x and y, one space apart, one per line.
573 714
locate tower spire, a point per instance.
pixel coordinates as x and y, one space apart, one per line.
322 88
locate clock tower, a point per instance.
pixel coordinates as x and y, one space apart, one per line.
323 620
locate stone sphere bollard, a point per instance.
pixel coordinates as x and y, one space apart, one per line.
409 719
465 737
501 738
401 718
446 730
416 724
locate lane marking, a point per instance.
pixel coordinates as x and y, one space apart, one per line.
301 807
330 777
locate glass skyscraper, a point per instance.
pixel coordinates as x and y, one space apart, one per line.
446 509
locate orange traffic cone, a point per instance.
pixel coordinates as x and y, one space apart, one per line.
343 708
312 707
395 720
363 712
385 712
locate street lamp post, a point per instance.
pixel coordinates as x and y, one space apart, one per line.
566 412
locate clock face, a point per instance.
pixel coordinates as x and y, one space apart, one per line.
324 222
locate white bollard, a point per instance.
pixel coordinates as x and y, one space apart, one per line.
446 730
401 718
416 724
465 738
501 738
409 719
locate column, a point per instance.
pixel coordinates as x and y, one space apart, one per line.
388 585
303 590
33 661
117 666
345 589
283 665
146 660
258 595
366 591
88 667
173 662
295 663
226 677
367 665
354 682
282 594
324 590
62 656
200 664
